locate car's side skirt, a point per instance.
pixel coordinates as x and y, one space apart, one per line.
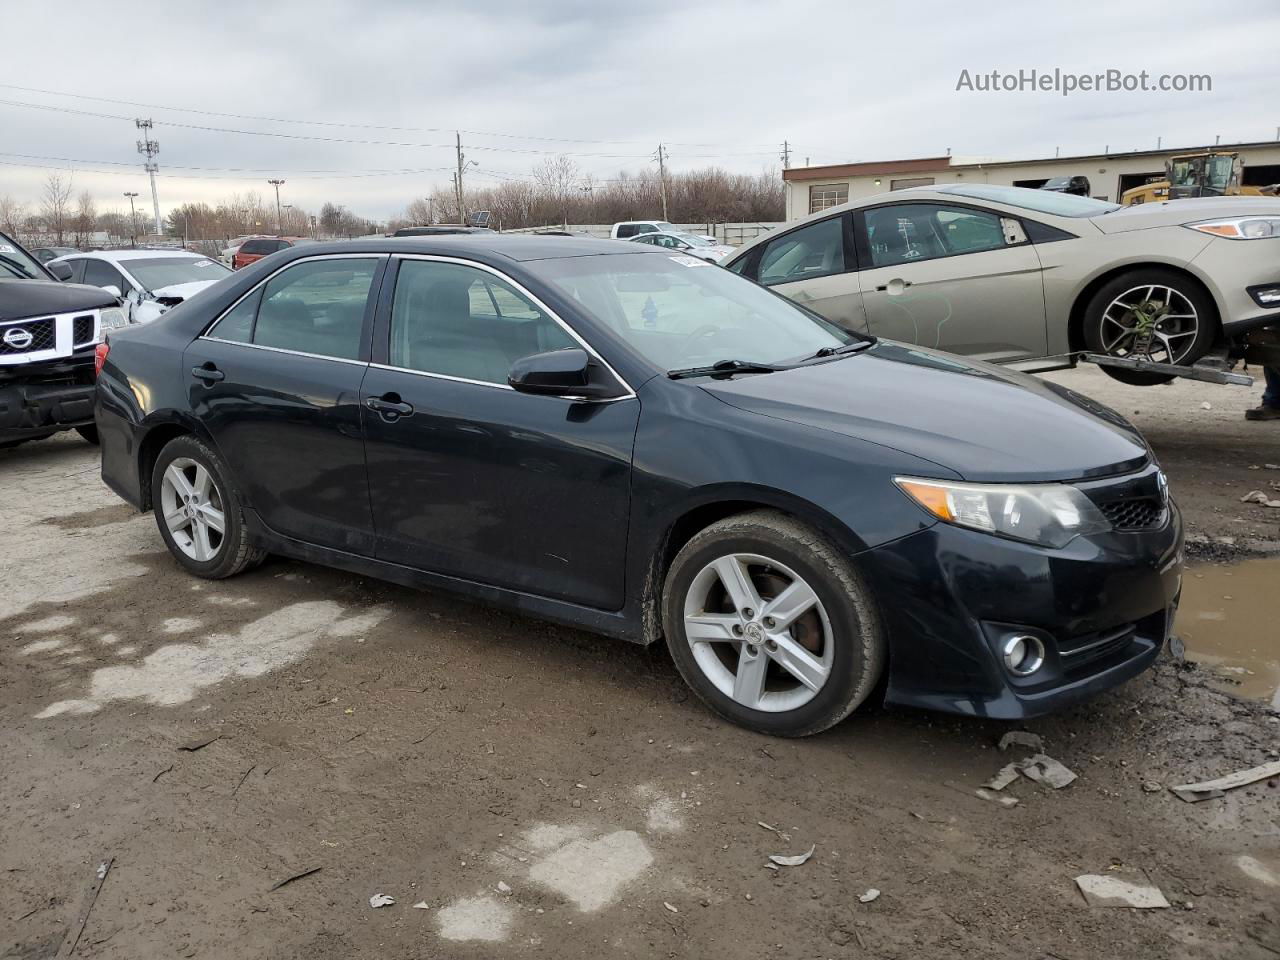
621 624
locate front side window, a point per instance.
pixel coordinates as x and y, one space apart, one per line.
313 307
459 321
679 312
100 274
813 251
910 232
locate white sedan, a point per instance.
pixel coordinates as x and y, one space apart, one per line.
148 282
688 243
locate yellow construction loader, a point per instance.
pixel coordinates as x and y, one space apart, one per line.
1208 174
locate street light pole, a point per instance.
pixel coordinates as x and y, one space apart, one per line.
278 184
133 220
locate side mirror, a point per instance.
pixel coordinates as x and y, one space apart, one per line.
61 271
112 289
562 373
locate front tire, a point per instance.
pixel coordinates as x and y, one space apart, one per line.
199 512
771 626
1150 314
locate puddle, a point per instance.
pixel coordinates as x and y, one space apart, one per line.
1228 619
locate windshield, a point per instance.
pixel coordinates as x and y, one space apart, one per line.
156 272
681 312
14 262
1058 182
1041 201
693 239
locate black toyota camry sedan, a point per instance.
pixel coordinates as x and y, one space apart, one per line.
648 446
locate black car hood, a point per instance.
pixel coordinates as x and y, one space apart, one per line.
20 299
985 423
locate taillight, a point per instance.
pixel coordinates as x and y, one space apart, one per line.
100 356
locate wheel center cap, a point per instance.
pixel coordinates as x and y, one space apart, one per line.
754 634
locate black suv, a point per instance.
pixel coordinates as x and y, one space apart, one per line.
48 332
1077 185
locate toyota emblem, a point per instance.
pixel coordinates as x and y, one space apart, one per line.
18 338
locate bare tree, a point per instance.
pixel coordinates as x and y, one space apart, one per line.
12 215
86 218
55 204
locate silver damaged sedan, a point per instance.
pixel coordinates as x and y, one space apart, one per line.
1031 278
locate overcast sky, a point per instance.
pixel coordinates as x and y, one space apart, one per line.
721 82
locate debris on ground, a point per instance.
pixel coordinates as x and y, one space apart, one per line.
381 900
1208 789
786 837
503 887
1257 496
197 743
76 931
1039 767
292 877
869 896
1022 738
996 797
793 861
670 907
1113 891
1150 786
1206 405
422 905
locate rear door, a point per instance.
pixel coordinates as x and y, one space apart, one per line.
814 265
276 381
472 479
957 278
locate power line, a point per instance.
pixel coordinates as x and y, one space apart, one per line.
362 142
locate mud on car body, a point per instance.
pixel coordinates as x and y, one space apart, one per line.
48 332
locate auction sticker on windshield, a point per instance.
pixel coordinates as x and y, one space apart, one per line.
691 261
5 248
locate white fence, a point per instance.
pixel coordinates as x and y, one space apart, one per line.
732 234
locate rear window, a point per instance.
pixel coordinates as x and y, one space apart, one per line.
627 230
269 245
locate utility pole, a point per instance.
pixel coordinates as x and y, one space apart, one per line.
279 222
786 155
457 180
149 148
662 177
133 220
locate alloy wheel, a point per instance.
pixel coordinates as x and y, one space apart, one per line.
758 632
193 509
1150 322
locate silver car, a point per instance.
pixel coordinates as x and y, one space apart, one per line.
1031 278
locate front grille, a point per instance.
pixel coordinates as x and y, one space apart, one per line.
42 333
82 330
1079 651
1135 513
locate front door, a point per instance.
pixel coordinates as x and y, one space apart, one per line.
472 479
956 278
277 383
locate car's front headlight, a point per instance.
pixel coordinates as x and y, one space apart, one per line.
1049 514
1240 228
112 318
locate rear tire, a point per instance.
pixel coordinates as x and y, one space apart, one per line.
808 648
1150 313
192 496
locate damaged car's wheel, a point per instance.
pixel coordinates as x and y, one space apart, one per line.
198 511
771 626
1149 314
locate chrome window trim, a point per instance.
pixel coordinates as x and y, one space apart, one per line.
208 331
292 353
440 258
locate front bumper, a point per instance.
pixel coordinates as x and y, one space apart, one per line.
1231 268
1102 606
34 409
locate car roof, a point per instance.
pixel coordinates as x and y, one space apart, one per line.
485 246
121 256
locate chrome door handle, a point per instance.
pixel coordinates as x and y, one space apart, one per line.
209 373
389 406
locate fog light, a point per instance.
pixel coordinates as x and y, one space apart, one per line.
1023 655
1267 295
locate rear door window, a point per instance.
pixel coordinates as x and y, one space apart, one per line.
626 230
813 251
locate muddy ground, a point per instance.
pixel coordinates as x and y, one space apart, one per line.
548 794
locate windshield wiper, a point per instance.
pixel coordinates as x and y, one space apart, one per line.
724 368
844 349
17 267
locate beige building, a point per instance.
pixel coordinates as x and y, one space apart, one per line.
810 189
